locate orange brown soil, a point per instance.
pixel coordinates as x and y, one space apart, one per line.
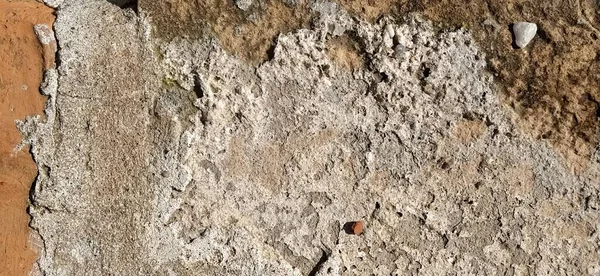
20 77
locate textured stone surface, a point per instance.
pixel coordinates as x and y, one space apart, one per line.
91 199
556 94
174 157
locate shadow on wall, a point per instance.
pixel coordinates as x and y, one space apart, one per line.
126 4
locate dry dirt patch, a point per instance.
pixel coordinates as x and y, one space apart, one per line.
247 33
553 83
345 52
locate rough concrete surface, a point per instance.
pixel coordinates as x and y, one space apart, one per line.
174 156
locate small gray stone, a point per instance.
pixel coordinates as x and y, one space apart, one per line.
524 33
243 4
399 50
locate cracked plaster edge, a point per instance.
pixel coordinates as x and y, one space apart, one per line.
38 134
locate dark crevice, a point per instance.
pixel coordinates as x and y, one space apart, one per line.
43 169
544 35
204 117
319 265
444 164
423 73
198 88
445 240
426 72
512 36
57 59
385 77
271 50
126 4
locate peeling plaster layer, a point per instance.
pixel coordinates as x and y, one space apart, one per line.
177 158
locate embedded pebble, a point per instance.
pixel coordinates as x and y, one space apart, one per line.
524 33
243 4
389 30
399 50
357 227
388 36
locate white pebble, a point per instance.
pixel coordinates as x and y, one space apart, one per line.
389 29
524 33
243 4
388 36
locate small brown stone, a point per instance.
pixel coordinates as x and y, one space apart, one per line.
357 227
354 227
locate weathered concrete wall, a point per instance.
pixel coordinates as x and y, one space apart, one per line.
172 156
91 200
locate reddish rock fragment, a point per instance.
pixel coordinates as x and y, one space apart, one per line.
354 227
